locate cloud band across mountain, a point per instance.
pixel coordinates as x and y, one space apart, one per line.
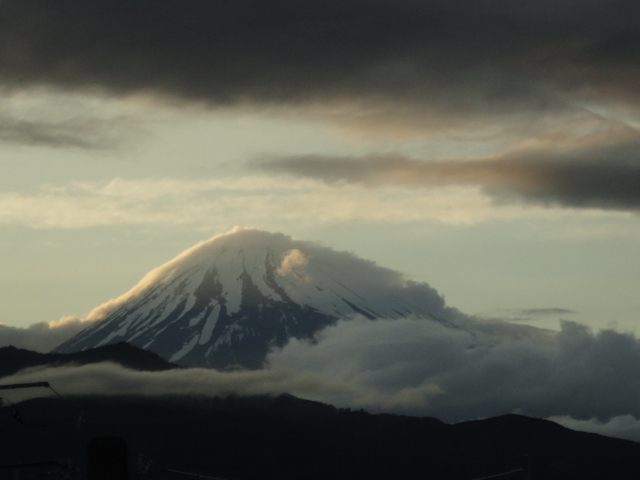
583 380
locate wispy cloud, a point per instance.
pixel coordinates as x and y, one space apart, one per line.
85 133
248 200
536 312
41 118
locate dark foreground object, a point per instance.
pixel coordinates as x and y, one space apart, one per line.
284 438
107 459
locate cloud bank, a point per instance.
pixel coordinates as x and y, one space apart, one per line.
468 57
41 336
602 175
464 68
111 379
488 369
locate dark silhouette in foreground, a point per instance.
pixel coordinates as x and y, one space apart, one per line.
246 438
13 359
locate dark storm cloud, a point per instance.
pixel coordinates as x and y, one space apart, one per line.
463 56
593 176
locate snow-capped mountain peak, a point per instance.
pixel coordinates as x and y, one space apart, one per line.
228 300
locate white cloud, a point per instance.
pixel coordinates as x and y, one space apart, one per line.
293 262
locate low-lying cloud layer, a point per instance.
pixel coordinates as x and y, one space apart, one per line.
584 380
112 379
488 369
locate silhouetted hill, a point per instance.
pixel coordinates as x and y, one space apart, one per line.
287 438
14 359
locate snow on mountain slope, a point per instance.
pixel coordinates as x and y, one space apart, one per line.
229 300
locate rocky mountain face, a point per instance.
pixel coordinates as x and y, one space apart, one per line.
227 301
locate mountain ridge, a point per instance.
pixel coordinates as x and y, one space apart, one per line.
230 300
289 438
13 359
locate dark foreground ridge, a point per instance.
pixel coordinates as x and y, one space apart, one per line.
260 438
13 359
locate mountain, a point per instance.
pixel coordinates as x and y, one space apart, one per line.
288 438
14 359
227 301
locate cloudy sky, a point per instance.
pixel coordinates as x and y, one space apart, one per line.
488 148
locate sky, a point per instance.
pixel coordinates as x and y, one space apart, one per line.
490 149
487 148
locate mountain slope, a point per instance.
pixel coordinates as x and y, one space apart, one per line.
229 300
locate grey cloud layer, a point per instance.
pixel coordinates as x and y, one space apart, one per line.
112 379
597 176
461 56
500 368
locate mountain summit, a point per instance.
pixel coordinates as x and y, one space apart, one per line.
230 299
